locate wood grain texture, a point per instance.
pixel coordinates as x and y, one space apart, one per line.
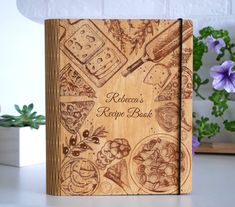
53 138
216 148
112 107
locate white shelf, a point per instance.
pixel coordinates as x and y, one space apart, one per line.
213 186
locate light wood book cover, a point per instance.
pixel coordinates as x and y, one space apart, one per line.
112 105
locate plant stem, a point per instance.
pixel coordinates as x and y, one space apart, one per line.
198 94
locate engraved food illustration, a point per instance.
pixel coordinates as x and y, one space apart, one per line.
161 45
79 177
158 74
154 164
95 55
131 35
84 43
77 143
118 173
186 53
93 153
73 114
167 117
104 63
112 149
171 90
72 83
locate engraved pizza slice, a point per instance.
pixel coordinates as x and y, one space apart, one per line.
118 173
72 83
171 90
73 114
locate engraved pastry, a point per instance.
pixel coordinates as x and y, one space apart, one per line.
73 114
84 43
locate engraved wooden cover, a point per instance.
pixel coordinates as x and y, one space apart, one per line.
112 96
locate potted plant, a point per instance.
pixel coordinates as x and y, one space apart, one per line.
214 112
22 137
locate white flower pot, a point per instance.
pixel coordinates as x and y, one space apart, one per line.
22 146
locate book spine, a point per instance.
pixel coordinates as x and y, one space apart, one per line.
52 107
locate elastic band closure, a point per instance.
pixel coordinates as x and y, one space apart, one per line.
180 103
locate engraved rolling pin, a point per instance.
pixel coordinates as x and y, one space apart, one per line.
160 46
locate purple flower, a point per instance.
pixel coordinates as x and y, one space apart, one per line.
224 76
215 45
195 143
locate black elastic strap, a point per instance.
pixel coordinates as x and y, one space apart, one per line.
180 103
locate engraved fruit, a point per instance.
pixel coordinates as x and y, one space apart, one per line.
85 133
73 140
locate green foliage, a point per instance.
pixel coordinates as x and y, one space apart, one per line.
219 100
205 129
202 127
26 118
199 48
229 125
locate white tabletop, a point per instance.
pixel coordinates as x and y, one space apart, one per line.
213 186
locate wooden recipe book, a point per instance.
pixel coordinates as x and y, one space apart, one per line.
118 106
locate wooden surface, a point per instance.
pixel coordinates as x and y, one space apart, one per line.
216 148
112 106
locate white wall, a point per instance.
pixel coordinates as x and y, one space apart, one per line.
21 60
22 53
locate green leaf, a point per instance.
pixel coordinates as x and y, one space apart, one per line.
24 110
229 125
205 81
34 125
30 108
33 115
40 117
5 116
18 108
197 83
205 129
